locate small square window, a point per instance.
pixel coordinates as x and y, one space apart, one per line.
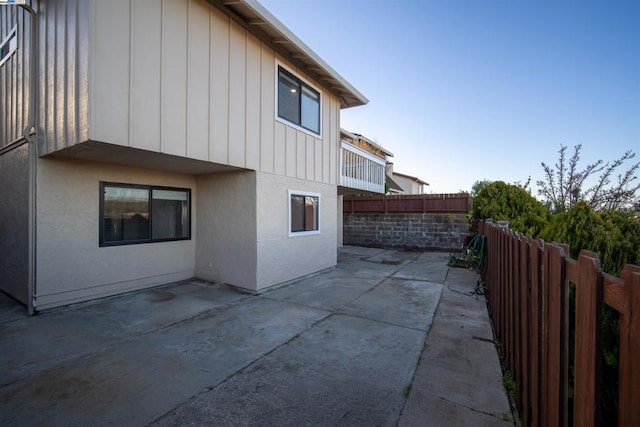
143 214
304 213
298 103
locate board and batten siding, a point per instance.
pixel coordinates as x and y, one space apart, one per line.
183 78
14 75
63 75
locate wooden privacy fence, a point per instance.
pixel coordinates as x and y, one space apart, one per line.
408 203
529 289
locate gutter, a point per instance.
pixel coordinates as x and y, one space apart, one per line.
28 134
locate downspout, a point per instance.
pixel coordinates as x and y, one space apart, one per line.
28 134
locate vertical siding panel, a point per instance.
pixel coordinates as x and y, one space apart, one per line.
311 152
301 162
317 142
14 64
237 98
219 145
110 73
70 77
4 139
326 141
60 73
332 140
4 83
253 102
4 135
174 78
82 63
291 151
49 68
267 111
146 49
280 149
18 77
198 80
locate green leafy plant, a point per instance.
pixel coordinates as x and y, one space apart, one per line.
510 202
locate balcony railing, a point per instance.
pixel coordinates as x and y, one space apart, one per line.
361 170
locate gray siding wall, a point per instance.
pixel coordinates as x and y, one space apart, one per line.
406 231
14 222
63 48
188 80
14 75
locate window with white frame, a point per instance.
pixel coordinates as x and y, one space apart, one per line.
8 45
304 213
132 214
298 102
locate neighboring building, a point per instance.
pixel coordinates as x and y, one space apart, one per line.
162 141
362 165
362 169
408 184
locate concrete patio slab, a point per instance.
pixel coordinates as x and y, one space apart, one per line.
341 347
458 380
10 309
407 303
328 291
431 268
55 337
156 371
359 380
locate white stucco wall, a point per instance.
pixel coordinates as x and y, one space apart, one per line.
71 266
340 220
226 244
279 257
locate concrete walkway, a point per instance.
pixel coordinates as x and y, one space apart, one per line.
356 345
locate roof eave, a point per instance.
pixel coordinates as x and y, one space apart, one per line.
269 28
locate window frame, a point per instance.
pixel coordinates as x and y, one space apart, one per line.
12 40
305 194
149 188
303 83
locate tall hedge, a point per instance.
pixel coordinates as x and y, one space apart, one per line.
613 235
507 202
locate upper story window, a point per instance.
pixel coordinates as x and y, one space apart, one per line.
9 45
298 102
143 214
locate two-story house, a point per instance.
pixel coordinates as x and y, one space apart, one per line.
405 184
148 142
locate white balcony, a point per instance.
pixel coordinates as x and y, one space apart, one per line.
361 170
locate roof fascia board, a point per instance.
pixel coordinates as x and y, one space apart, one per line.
318 66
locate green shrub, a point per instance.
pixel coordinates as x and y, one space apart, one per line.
615 237
506 202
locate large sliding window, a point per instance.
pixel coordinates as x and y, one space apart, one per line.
142 214
304 213
298 102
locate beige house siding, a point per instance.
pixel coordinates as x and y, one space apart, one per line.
71 264
280 257
14 222
190 81
226 224
177 93
14 73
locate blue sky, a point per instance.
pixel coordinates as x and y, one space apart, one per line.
465 90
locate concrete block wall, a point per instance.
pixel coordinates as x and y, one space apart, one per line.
429 231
